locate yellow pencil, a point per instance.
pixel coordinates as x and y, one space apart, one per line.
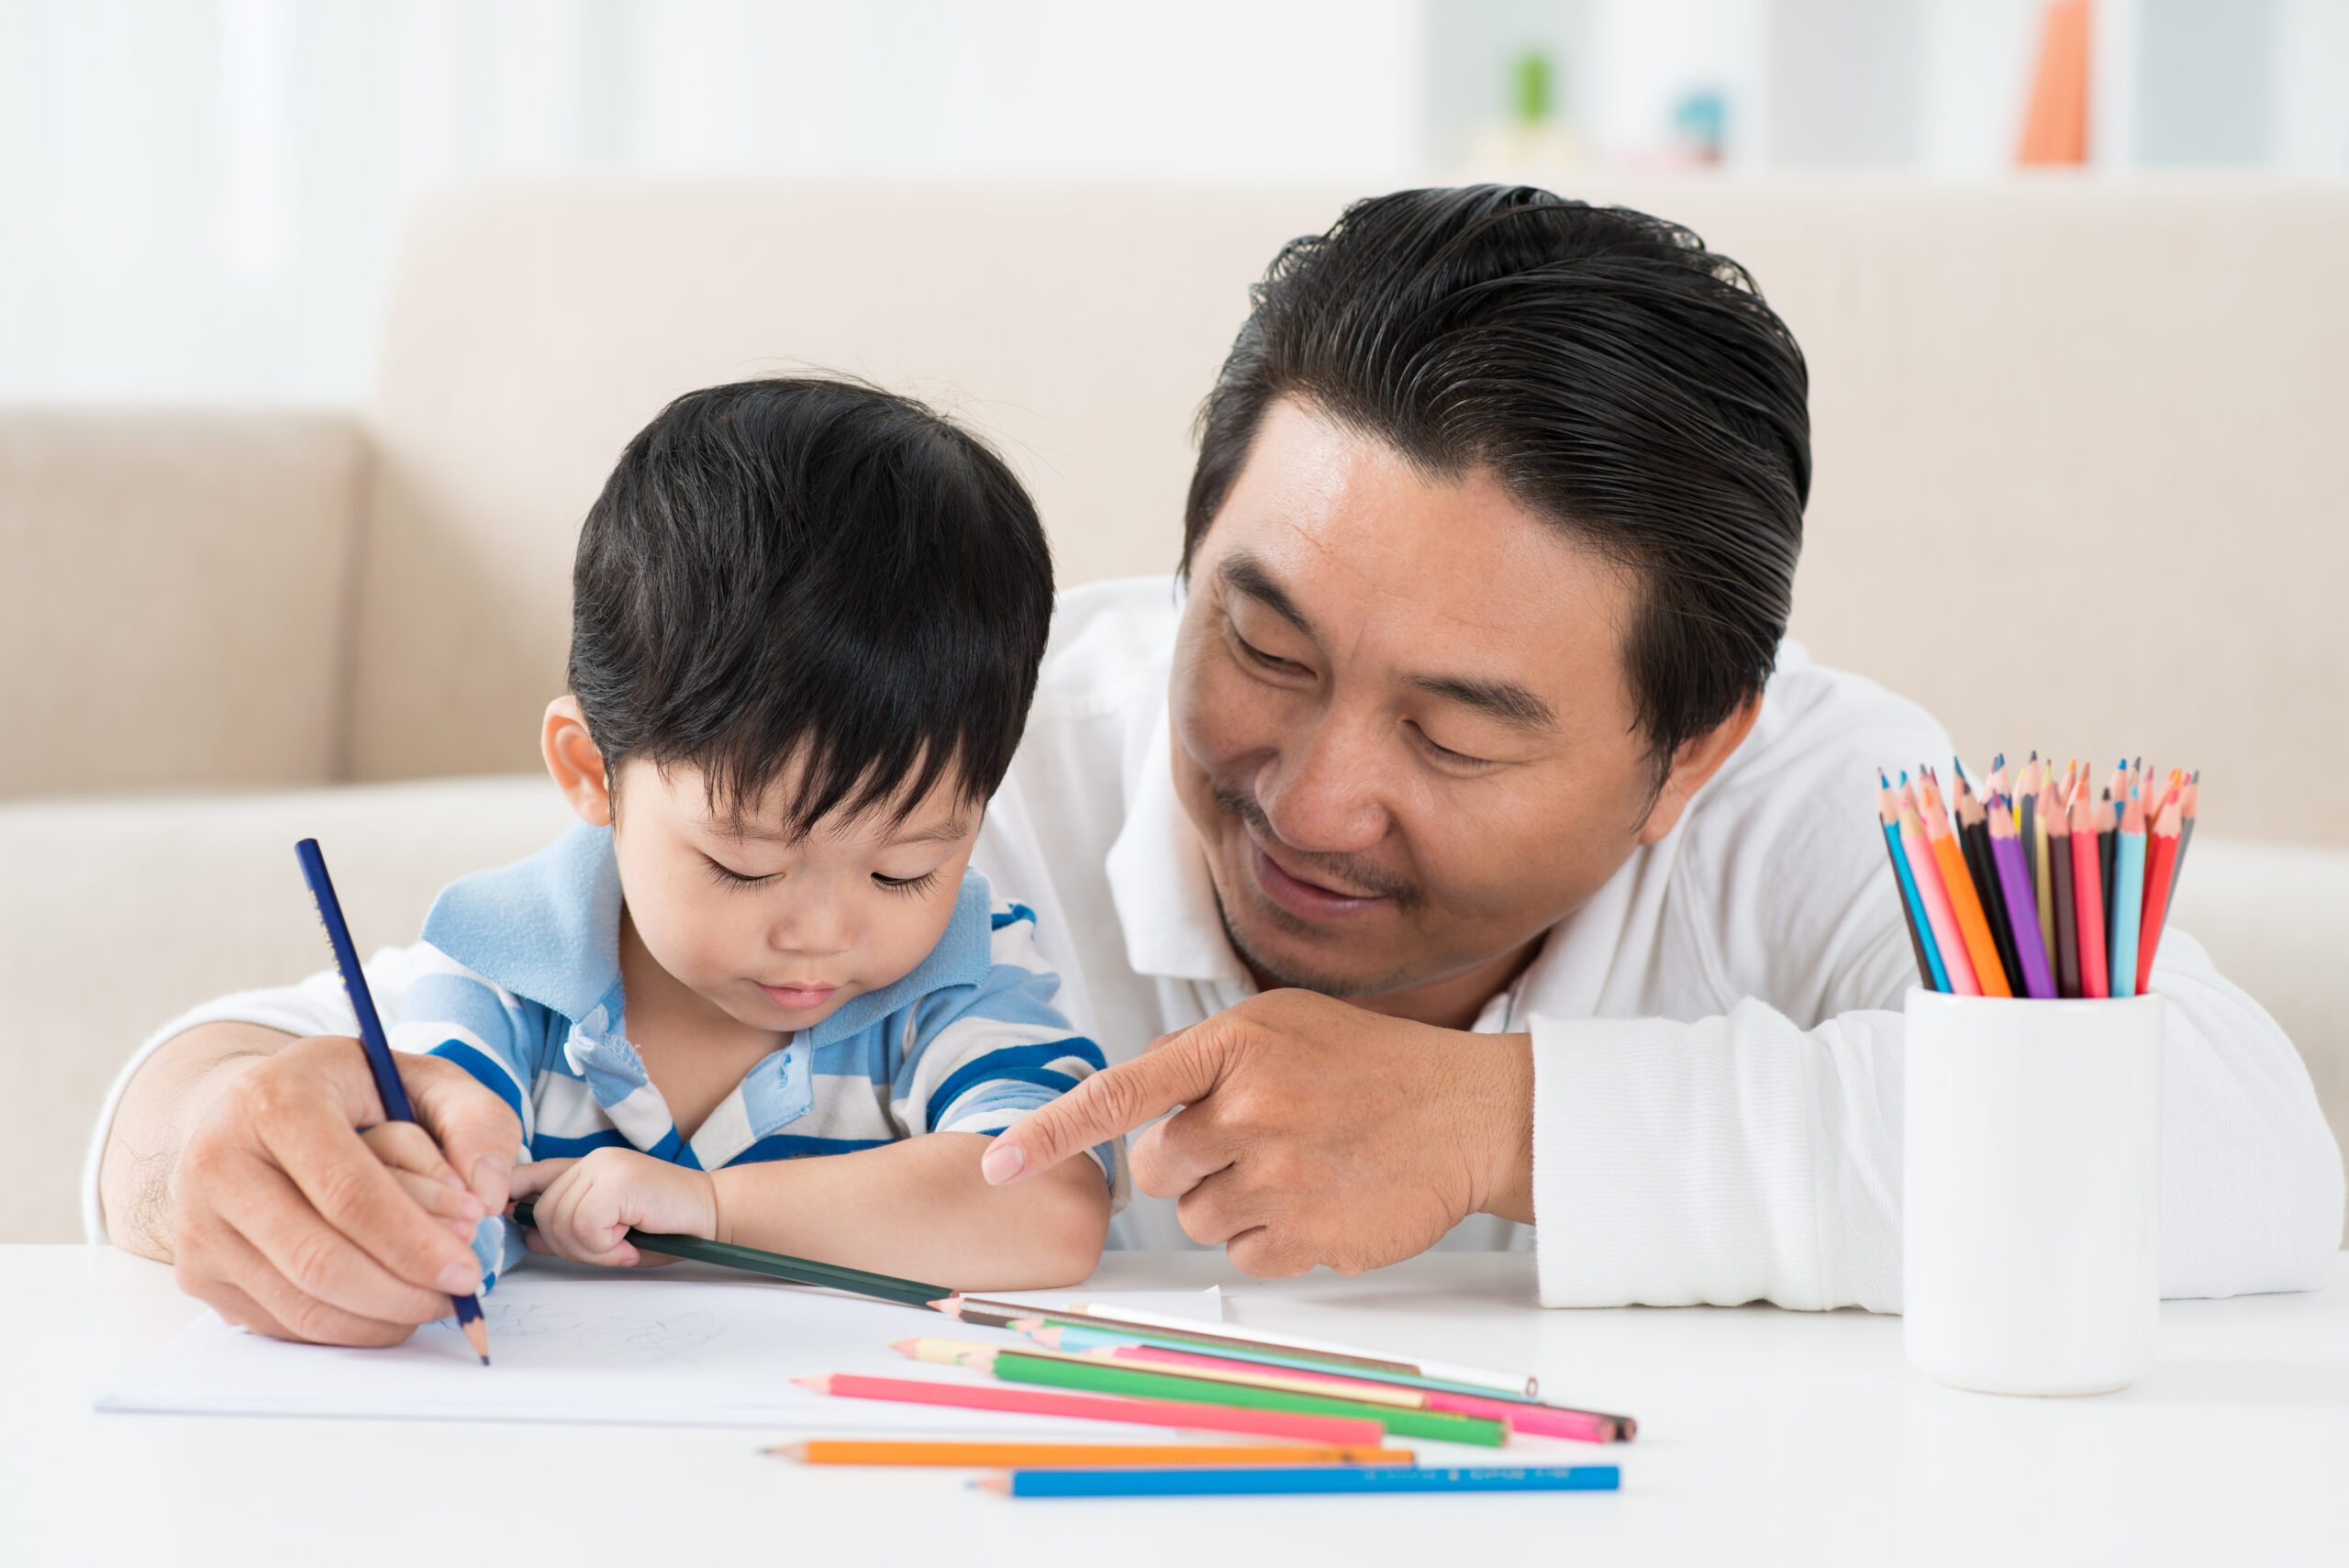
839 1450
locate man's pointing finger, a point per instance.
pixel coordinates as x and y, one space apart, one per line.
1112 1102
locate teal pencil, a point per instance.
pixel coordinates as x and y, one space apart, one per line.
2128 896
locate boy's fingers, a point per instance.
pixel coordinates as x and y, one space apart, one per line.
1107 1104
531 1179
476 1131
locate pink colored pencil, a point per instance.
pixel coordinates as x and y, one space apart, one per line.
1549 1420
2088 891
1947 938
1179 1414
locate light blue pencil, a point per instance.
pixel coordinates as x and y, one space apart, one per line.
1264 1480
2128 900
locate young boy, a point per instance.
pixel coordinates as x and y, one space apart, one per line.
808 617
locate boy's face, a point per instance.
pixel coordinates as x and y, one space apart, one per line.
778 932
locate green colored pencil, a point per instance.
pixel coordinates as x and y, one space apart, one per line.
1110 1378
775 1265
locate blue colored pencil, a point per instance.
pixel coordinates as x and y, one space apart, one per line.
2128 897
378 1048
1265 1480
1920 928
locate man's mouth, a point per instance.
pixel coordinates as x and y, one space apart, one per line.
797 998
1303 897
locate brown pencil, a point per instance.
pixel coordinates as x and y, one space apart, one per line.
2057 862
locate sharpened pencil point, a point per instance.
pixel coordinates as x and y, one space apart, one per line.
820 1382
905 1347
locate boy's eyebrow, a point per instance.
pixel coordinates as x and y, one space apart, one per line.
943 833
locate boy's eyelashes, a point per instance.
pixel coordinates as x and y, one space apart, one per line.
727 876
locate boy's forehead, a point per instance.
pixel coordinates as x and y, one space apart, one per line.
942 815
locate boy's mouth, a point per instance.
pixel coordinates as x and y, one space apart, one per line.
797 998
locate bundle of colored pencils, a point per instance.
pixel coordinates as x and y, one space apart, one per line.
2045 891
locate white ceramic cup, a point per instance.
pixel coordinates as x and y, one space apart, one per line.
2031 1210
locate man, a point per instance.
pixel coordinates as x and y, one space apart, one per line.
1460 829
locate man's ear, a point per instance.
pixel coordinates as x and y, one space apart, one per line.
576 763
1696 761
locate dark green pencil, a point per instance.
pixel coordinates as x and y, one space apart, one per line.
776 1265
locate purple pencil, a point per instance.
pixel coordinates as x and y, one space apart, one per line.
2022 909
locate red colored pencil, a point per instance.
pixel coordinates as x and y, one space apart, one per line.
1175 1413
2161 869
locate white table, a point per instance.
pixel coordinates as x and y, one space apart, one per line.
1766 1437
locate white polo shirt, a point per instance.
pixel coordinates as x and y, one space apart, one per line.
1715 1034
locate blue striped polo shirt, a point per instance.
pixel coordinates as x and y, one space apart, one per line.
517 981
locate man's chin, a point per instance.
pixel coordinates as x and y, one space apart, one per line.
1278 955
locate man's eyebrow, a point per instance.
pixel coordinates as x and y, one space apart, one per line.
1243 573
1503 700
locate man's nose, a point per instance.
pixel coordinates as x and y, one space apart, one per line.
1322 790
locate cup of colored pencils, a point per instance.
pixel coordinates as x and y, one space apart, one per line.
2032 1068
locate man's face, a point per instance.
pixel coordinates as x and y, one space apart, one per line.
1402 725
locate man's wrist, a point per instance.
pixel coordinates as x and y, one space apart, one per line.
1505 1085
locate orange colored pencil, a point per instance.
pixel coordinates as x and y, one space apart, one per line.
2161 866
2088 891
843 1451
1990 971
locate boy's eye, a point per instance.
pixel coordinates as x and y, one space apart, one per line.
729 877
921 883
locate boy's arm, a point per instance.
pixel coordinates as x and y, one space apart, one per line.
920 1209
984 1057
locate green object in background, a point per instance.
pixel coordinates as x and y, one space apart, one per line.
1013 1367
1532 74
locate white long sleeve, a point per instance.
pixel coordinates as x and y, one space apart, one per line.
1741 1158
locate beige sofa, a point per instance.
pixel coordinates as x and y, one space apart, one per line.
2081 469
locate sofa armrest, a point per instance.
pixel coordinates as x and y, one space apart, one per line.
174 596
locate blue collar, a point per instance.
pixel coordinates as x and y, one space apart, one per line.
548 929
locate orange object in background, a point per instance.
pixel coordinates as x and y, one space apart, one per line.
2055 127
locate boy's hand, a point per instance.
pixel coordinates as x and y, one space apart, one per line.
584 1207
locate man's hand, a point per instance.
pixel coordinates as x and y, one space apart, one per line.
287 1220
586 1207
1313 1133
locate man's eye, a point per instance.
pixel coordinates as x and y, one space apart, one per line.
1257 655
1446 755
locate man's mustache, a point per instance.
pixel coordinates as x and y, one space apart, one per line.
1343 870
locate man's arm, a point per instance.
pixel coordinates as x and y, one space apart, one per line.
1742 1158
230 1149
173 1089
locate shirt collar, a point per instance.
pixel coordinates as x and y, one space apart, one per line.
548 929
1159 881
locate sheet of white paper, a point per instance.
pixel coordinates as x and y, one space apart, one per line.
672 1347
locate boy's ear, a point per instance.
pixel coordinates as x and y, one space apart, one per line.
572 758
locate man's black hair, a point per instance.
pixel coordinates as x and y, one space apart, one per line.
814 571
1618 379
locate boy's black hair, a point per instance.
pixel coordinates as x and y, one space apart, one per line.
813 570
1621 379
